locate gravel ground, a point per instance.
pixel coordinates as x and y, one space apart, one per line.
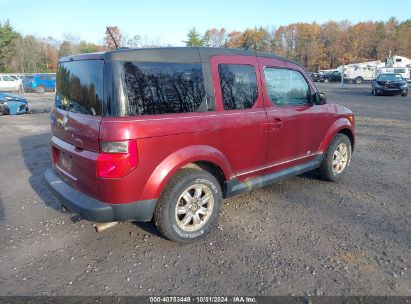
303 236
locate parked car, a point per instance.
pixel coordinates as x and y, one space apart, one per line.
404 72
9 84
169 133
389 84
39 83
12 104
330 77
315 76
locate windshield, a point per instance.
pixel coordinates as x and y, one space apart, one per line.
80 87
390 77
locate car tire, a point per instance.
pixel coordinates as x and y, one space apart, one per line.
359 80
179 208
404 94
2 111
40 90
337 158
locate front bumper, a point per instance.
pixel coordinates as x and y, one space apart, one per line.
386 91
13 107
95 210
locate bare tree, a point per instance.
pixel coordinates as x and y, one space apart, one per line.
215 37
109 43
131 41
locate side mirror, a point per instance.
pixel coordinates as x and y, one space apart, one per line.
319 98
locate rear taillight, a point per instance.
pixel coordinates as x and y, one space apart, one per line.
55 153
116 159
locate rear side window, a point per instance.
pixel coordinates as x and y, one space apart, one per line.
80 87
164 88
238 86
286 87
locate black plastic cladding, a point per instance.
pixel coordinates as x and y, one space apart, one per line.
167 54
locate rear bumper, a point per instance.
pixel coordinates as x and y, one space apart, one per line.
95 210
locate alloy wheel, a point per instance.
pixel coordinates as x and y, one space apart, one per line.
340 158
194 207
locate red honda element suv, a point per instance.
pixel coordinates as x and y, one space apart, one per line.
168 133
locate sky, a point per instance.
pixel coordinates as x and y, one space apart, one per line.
167 22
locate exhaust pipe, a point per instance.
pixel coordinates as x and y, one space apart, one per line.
104 226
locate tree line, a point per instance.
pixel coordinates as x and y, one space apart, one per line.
30 54
316 46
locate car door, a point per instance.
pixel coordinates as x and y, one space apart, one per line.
240 106
46 79
336 76
296 126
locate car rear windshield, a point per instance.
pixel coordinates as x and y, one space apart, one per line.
152 88
80 87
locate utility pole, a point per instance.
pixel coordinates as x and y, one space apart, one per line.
342 76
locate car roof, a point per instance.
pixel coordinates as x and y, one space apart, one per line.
170 54
390 74
41 74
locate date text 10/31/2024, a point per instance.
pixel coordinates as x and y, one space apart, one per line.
203 299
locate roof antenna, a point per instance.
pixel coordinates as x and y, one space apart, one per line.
112 37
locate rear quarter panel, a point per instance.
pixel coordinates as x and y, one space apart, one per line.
164 144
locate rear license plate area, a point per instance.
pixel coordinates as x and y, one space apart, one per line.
65 161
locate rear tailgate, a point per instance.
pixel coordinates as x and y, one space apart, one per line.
75 123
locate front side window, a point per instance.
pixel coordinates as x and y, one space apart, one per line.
7 78
163 88
286 87
238 86
80 87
